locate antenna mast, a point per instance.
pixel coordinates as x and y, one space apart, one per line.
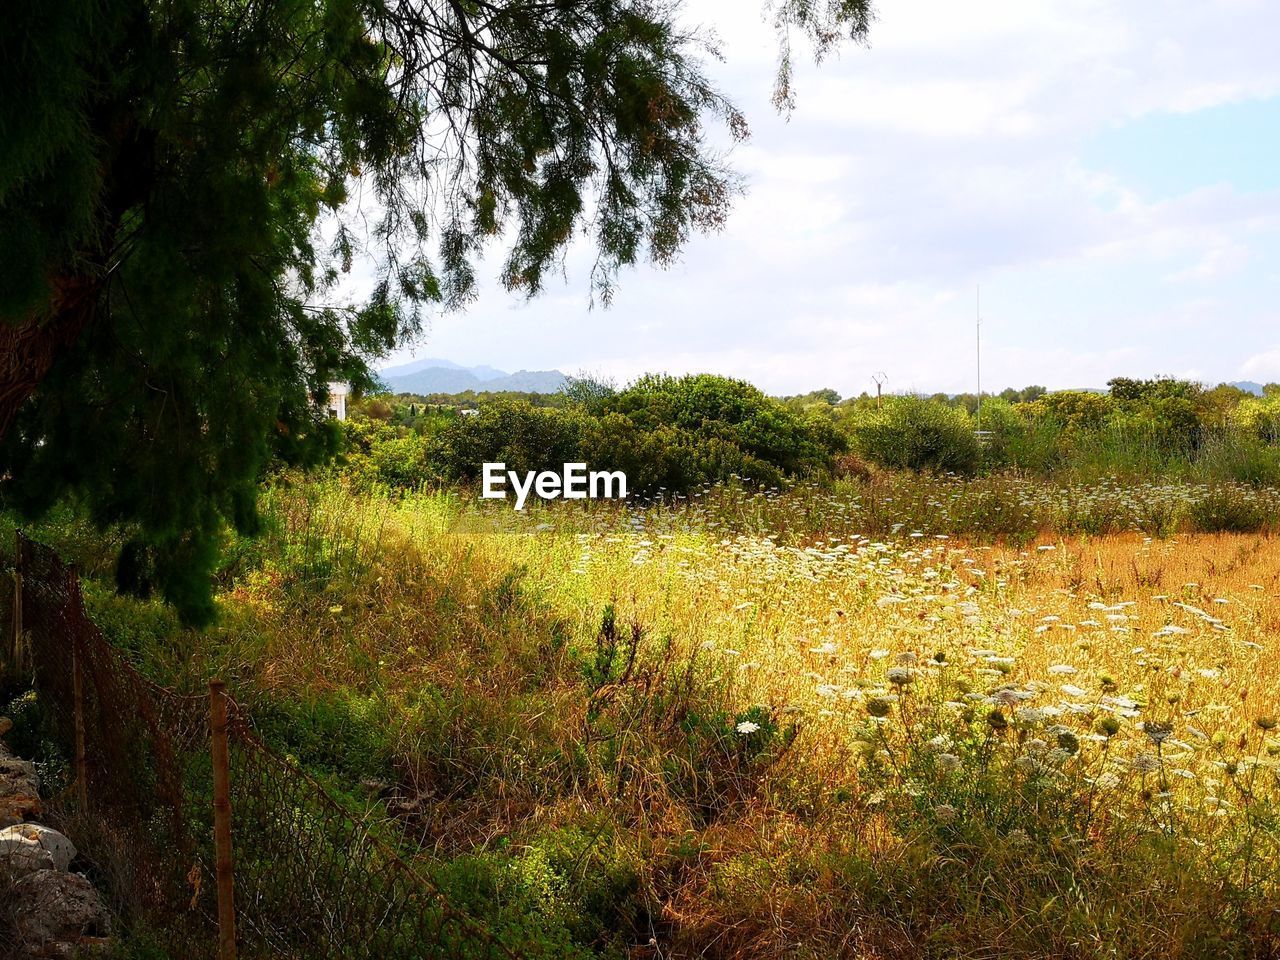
978 338
880 378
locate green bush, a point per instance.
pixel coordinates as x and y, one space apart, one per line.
1227 510
666 433
916 434
1240 457
522 436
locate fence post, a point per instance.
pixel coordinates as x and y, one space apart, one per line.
222 820
16 658
77 691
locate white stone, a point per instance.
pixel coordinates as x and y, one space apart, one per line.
21 855
62 850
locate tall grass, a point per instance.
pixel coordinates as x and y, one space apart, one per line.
896 718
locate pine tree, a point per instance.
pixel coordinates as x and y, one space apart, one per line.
182 183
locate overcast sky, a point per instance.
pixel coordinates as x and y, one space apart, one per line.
1108 173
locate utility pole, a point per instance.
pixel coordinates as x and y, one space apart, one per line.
978 337
880 378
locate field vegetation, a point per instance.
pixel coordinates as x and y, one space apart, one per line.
674 434
732 727
848 710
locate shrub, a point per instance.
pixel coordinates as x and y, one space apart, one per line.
1260 417
1227 510
917 434
708 408
522 436
665 433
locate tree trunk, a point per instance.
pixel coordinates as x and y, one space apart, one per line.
28 349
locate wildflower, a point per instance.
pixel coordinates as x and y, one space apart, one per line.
1030 716
878 707
1266 723
944 812
906 659
1071 690
1068 741
1107 726
948 762
1062 668
1027 765
1157 730
1010 696
1144 763
900 676
747 727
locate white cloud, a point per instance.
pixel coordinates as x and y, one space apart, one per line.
1263 367
946 155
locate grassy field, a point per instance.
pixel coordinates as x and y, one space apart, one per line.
733 726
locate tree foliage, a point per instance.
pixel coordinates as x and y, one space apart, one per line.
668 434
182 183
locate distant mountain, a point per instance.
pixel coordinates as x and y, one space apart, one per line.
1248 386
426 363
433 375
530 381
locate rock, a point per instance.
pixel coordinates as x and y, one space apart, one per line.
19 791
20 855
60 849
55 914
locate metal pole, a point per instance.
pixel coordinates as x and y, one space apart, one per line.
978 335
222 820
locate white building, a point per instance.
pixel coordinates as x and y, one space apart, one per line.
337 406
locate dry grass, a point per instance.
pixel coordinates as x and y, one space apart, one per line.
821 832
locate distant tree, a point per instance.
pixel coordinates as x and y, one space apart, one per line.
1218 404
1129 390
589 392
179 190
1259 416
1167 409
1075 411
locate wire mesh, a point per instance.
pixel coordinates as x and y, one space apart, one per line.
312 878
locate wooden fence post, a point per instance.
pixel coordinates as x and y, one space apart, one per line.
16 658
222 820
77 691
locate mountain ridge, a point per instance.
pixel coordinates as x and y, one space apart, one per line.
437 375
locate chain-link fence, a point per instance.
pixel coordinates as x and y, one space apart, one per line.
311 877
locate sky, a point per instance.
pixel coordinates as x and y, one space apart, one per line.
1107 174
